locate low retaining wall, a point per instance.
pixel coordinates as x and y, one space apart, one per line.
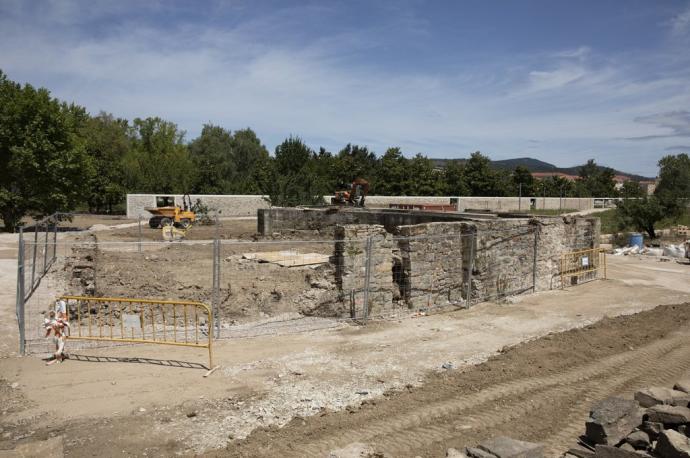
247 205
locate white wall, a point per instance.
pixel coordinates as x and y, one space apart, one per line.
247 205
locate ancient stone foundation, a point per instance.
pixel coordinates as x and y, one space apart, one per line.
390 261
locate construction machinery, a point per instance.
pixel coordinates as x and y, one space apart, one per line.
354 196
181 217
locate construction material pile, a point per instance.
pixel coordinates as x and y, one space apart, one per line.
655 424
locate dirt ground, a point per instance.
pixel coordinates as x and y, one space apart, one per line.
538 391
140 401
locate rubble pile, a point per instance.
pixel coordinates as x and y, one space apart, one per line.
656 423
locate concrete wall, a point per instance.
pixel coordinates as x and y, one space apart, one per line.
224 205
247 205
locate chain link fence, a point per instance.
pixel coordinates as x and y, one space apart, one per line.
265 286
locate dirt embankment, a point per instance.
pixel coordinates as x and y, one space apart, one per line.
539 391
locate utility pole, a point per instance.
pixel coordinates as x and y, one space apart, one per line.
520 197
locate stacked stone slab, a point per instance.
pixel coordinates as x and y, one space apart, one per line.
351 264
500 447
655 424
432 272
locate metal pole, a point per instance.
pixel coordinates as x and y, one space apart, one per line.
367 277
470 268
55 231
534 259
33 264
20 293
140 233
216 286
45 252
520 198
543 202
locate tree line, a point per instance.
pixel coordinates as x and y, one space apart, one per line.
55 156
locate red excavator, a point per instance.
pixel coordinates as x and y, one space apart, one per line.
354 196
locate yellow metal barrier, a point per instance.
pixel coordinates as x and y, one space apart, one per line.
583 263
116 319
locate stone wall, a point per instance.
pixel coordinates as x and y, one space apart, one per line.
351 249
425 265
431 259
279 219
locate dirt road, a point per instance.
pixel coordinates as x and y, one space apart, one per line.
539 391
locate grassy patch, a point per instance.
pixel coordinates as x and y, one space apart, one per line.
609 222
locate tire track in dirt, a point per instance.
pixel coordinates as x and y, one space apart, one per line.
438 421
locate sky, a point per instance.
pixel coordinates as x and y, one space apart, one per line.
559 81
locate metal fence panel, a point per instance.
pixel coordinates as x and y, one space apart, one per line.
279 284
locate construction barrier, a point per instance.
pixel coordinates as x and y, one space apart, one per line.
582 265
115 319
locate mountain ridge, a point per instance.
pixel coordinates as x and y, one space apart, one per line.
536 165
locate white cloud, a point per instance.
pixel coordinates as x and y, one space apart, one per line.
680 24
248 74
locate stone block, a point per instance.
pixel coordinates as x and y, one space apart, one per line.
454 453
609 451
506 447
652 429
668 415
682 385
611 420
655 395
580 453
672 444
638 440
472 452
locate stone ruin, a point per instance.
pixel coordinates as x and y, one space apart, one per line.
418 260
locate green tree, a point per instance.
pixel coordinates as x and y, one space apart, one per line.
454 178
392 174
631 189
522 177
596 181
352 162
424 179
480 177
42 156
641 213
673 189
669 200
293 178
212 155
159 161
107 143
250 157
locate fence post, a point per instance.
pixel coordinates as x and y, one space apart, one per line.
139 233
534 259
367 277
45 252
216 287
33 264
55 231
470 268
20 293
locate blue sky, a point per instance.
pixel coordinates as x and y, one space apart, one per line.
554 80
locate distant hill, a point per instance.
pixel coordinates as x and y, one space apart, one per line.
535 165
